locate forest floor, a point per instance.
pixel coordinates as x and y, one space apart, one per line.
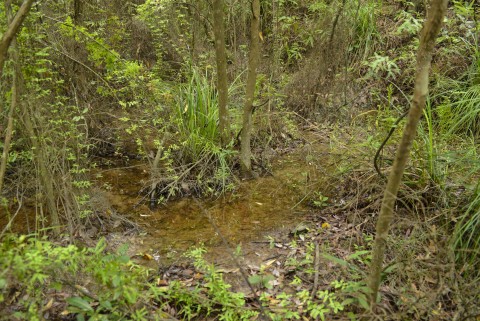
257 212
296 229
298 235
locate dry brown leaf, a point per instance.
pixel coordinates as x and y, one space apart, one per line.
48 305
147 257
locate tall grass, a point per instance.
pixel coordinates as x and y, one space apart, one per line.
465 110
196 109
428 135
462 94
466 238
366 35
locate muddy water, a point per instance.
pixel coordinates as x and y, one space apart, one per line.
269 205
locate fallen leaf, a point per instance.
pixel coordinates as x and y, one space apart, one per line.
147 257
48 305
268 263
235 270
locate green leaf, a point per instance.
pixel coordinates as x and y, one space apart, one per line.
57 286
106 304
101 245
80 303
255 279
335 259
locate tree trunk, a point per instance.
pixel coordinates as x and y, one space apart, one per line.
46 179
9 130
13 105
424 56
221 57
12 30
253 59
78 8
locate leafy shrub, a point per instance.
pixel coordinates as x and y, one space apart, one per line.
98 286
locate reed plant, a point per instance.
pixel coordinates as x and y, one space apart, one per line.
196 114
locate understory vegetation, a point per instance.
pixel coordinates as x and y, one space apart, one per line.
89 87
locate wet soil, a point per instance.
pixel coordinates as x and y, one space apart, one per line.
262 209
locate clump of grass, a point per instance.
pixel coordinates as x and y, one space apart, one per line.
466 238
464 111
196 114
194 162
366 35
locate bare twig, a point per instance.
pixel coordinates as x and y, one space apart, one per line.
316 267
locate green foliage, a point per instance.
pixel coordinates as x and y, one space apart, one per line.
463 111
319 200
60 126
324 305
195 154
100 286
411 25
196 108
173 30
262 281
382 66
223 303
466 237
118 71
366 35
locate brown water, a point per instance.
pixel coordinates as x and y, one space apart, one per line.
269 205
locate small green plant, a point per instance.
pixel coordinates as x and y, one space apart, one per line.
319 200
410 24
382 66
262 281
196 110
229 305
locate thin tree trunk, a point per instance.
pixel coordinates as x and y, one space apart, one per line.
253 59
424 57
46 178
13 105
9 130
12 30
221 58
78 7
155 174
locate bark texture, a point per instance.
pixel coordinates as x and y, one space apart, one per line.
13 106
12 30
424 57
253 59
221 58
78 7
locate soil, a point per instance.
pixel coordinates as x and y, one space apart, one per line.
260 212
